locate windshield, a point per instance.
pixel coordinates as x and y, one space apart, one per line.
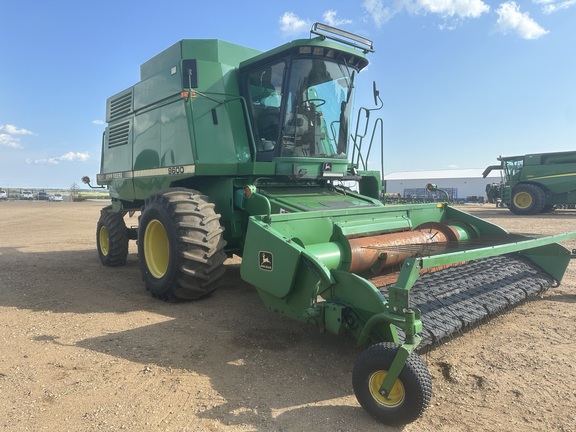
512 167
315 123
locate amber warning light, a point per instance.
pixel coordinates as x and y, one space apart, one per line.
187 94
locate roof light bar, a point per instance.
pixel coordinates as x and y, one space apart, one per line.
351 39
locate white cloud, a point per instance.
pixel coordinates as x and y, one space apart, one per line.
510 19
378 12
291 24
329 18
67 157
48 161
446 9
551 6
75 156
7 138
450 8
98 122
13 130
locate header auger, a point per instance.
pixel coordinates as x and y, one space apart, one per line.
225 150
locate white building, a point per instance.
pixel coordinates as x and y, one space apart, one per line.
460 183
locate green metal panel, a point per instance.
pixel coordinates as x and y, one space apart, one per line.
556 171
161 138
210 50
269 261
122 189
219 134
561 179
370 184
314 198
116 158
299 304
161 61
218 129
304 230
116 161
310 167
552 258
328 254
217 122
155 89
216 51
394 221
484 228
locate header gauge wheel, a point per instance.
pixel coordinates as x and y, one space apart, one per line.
410 394
180 245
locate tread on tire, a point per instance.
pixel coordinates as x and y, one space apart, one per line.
189 262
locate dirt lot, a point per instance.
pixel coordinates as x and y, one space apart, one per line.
86 348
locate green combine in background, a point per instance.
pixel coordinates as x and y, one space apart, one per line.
226 150
537 183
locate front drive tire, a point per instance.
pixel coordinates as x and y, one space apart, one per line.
410 395
180 245
112 238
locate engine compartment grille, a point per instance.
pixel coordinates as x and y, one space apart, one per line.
118 134
120 106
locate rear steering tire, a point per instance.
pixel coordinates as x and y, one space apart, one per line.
410 395
527 199
180 245
112 238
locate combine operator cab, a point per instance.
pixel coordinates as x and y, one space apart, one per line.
300 100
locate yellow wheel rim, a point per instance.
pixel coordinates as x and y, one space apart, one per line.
522 200
396 396
104 240
156 249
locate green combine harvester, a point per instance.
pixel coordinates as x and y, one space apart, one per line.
226 150
537 183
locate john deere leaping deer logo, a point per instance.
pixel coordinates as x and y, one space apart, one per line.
265 260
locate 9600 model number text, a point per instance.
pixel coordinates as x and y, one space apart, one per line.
176 170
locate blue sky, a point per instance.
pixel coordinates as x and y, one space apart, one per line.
462 81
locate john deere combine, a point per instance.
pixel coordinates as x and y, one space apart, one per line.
537 183
226 150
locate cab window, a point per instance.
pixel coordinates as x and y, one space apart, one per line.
265 93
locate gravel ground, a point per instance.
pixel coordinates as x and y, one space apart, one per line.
86 348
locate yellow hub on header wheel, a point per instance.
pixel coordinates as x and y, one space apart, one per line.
396 396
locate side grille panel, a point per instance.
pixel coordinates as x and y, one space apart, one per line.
120 106
118 134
